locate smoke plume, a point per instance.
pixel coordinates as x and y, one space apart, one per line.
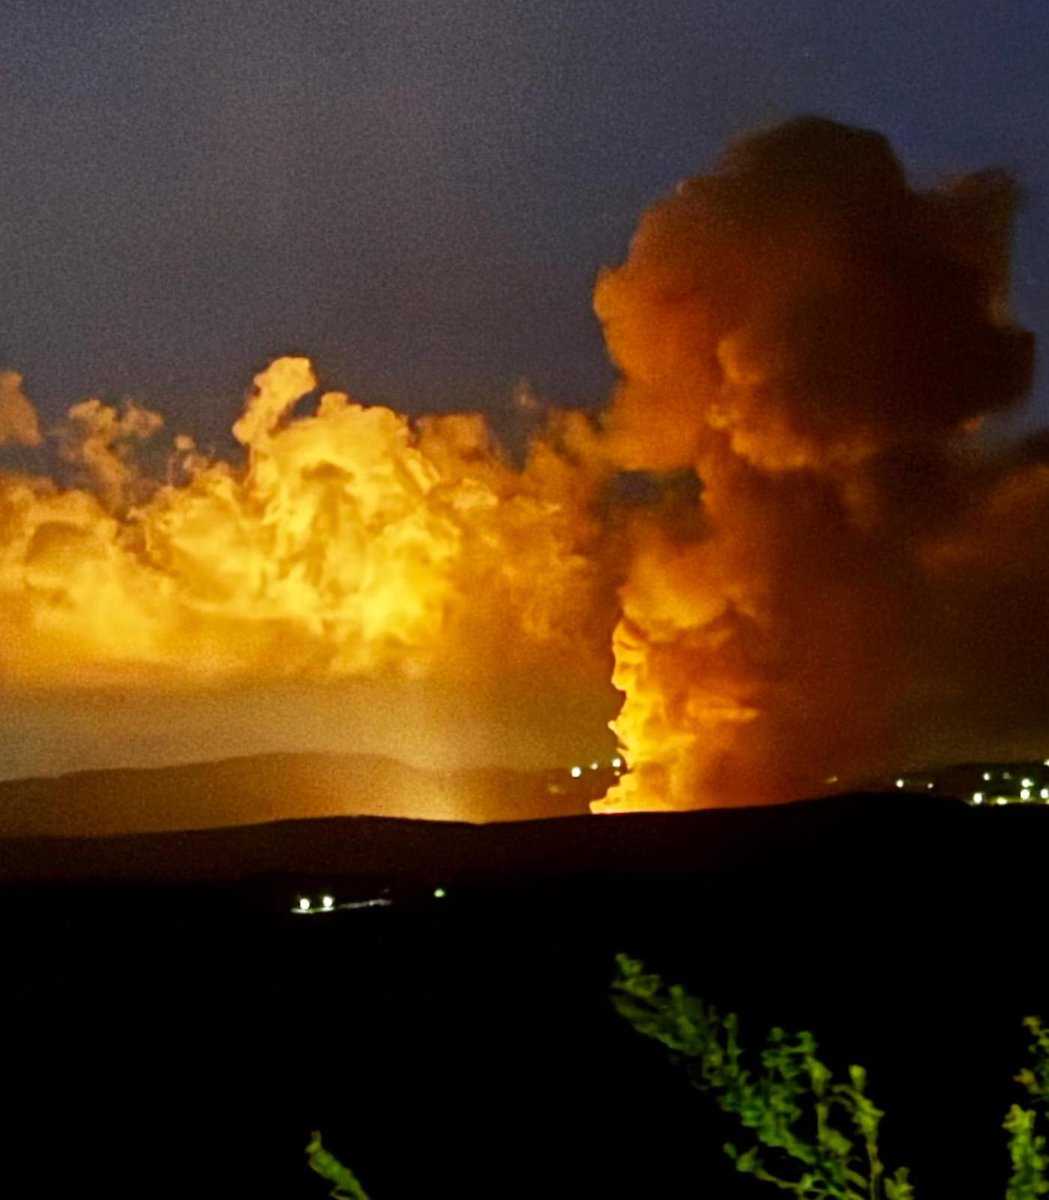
18 423
818 342
404 575
787 537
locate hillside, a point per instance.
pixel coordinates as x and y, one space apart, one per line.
253 790
849 839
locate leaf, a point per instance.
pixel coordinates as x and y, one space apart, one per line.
898 1186
325 1164
748 1163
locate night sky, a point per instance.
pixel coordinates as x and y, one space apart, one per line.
419 195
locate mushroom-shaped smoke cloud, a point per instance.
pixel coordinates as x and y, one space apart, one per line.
818 342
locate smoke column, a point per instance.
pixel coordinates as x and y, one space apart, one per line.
817 342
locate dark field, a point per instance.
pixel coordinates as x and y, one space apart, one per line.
183 1038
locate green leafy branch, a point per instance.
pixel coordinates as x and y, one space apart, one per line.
324 1163
811 1136
823 1134
1026 1147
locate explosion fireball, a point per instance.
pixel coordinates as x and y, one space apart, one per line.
787 528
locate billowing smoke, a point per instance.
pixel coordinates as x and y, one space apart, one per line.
349 545
818 343
788 531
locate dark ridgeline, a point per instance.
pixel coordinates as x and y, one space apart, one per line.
175 1029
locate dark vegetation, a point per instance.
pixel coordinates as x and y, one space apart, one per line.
173 1028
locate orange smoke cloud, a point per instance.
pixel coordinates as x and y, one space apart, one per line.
813 338
788 530
18 423
350 542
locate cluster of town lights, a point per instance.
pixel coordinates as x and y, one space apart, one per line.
1029 790
616 764
1026 793
1011 788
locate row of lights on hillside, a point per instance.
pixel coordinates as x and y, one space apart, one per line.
617 766
1028 787
1026 793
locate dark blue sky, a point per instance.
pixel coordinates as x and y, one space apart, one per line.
418 193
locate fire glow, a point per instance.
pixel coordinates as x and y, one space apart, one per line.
810 582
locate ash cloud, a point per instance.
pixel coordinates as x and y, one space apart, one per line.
819 342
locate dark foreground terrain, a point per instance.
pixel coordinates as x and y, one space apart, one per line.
171 1027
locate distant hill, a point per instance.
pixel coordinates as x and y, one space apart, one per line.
367 818
828 844
272 787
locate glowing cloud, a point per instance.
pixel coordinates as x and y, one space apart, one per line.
786 528
814 339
